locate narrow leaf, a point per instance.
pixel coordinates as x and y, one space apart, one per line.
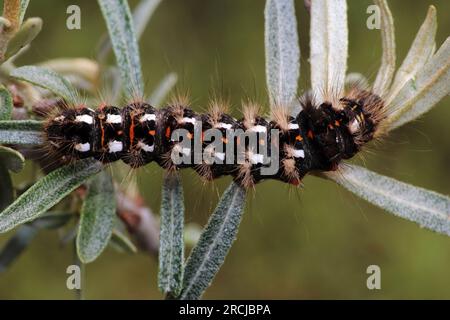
141 16
420 52
159 94
121 242
47 192
329 47
6 187
121 32
46 79
76 67
97 218
23 9
11 159
282 51
427 208
16 245
387 68
421 93
171 245
51 220
209 254
27 33
21 132
6 104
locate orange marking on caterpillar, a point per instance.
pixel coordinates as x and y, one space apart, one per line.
168 132
337 123
299 138
152 132
310 134
132 130
102 129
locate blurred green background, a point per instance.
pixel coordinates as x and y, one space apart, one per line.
315 242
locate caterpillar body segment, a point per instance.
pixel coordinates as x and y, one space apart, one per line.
317 139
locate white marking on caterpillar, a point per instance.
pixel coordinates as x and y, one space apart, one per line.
258 128
60 118
293 126
298 153
113 118
83 147
115 146
354 126
227 126
189 120
84 118
148 117
146 147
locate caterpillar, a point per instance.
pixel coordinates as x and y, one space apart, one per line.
318 138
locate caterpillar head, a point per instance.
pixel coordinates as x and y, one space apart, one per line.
363 111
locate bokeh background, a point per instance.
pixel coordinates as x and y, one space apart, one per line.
315 242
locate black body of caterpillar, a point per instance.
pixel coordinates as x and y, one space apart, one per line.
317 139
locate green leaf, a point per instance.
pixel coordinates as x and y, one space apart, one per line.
421 51
97 218
16 245
47 192
52 220
11 159
6 104
46 79
23 9
27 33
21 132
171 244
121 242
387 68
282 52
421 93
163 89
6 187
209 254
329 47
121 32
427 208
141 16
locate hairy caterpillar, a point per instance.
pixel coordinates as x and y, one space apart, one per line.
317 139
